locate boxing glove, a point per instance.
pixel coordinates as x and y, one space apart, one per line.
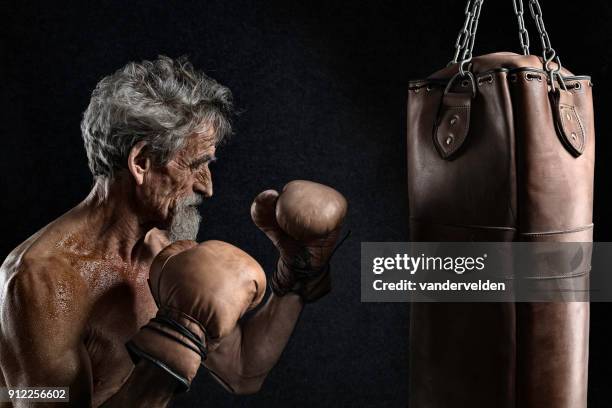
201 291
304 223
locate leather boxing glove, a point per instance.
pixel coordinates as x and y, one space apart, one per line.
201 291
304 223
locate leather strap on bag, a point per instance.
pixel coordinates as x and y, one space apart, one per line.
568 123
453 120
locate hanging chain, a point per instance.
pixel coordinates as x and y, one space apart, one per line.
467 51
548 52
462 38
464 45
465 40
523 34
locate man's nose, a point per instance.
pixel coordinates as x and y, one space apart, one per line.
204 188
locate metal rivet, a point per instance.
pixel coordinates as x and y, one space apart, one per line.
449 140
568 116
573 135
453 120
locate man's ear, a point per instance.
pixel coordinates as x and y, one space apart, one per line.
138 163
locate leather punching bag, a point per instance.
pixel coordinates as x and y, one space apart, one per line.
500 148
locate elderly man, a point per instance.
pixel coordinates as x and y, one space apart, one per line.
76 292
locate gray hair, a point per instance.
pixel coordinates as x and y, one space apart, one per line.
160 102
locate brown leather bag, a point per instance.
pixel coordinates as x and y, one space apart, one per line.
500 148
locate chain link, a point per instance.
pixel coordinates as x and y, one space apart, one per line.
467 51
464 45
523 34
462 38
548 52
465 40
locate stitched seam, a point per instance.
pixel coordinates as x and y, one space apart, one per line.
564 124
581 128
542 233
485 227
574 275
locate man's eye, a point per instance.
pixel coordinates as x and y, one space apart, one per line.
199 165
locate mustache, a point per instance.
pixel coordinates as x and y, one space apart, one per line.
194 199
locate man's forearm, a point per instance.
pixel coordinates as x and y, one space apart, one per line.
265 335
147 386
245 357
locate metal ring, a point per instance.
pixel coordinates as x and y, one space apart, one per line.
469 75
463 70
554 72
548 59
559 77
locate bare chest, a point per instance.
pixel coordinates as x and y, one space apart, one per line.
121 304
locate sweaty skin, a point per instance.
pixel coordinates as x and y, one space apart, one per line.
75 292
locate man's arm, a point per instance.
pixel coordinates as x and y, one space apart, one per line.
311 215
245 357
43 314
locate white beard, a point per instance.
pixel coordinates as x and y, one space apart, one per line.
185 222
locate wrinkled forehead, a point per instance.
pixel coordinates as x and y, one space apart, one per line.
201 142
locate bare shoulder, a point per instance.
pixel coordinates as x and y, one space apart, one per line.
35 278
43 308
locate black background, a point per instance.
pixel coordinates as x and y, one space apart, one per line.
322 90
